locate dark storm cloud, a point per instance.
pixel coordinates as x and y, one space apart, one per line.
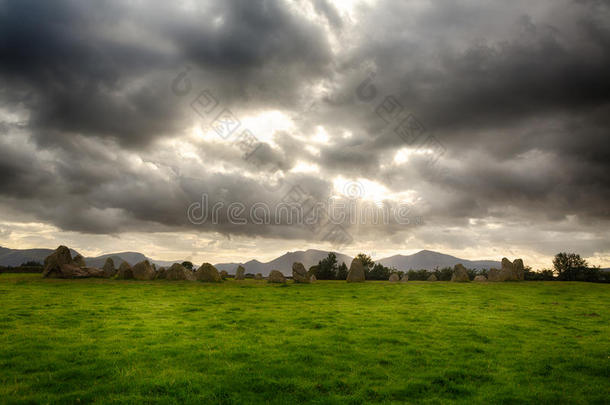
518 93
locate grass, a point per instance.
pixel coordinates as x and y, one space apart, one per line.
110 341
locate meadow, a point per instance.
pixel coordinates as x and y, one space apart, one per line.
242 342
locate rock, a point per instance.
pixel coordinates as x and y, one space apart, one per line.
79 261
432 278
160 274
511 271
59 264
394 278
276 276
143 271
208 273
404 278
356 272
240 273
299 274
258 276
480 277
179 272
124 272
312 278
223 274
109 270
53 262
493 275
519 270
460 274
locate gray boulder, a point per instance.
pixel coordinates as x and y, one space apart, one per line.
109 270
59 264
404 278
240 273
299 274
208 273
480 278
178 272
432 277
312 278
124 272
143 271
356 272
394 278
460 274
276 276
258 276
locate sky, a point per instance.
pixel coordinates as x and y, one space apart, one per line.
479 129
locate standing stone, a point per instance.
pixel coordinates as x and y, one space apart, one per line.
312 278
240 273
432 278
79 261
276 276
124 272
161 273
258 276
460 274
223 274
179 272
394 278
143 271
60 264
480 277
299 274
518 269
356 272
493 275
404 278
109 270
208 273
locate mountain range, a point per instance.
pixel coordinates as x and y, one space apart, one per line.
424 259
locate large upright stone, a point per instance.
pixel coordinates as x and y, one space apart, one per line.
460 274
59 264
208 273
258 276
404 278
394 278
312 278
109 270
179 272
276 276
432 277
79 261
493 275
518 269
356 272
143 271
240 273
299 274
124 272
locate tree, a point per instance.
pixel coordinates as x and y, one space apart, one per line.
366 261
327 267
187 265
569 266
378 272
342 272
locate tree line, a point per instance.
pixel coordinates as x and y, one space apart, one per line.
566 267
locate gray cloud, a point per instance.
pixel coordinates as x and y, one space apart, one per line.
518 94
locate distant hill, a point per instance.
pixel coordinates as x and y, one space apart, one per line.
424 259
427 259
284 262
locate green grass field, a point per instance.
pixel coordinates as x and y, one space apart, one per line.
331 342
